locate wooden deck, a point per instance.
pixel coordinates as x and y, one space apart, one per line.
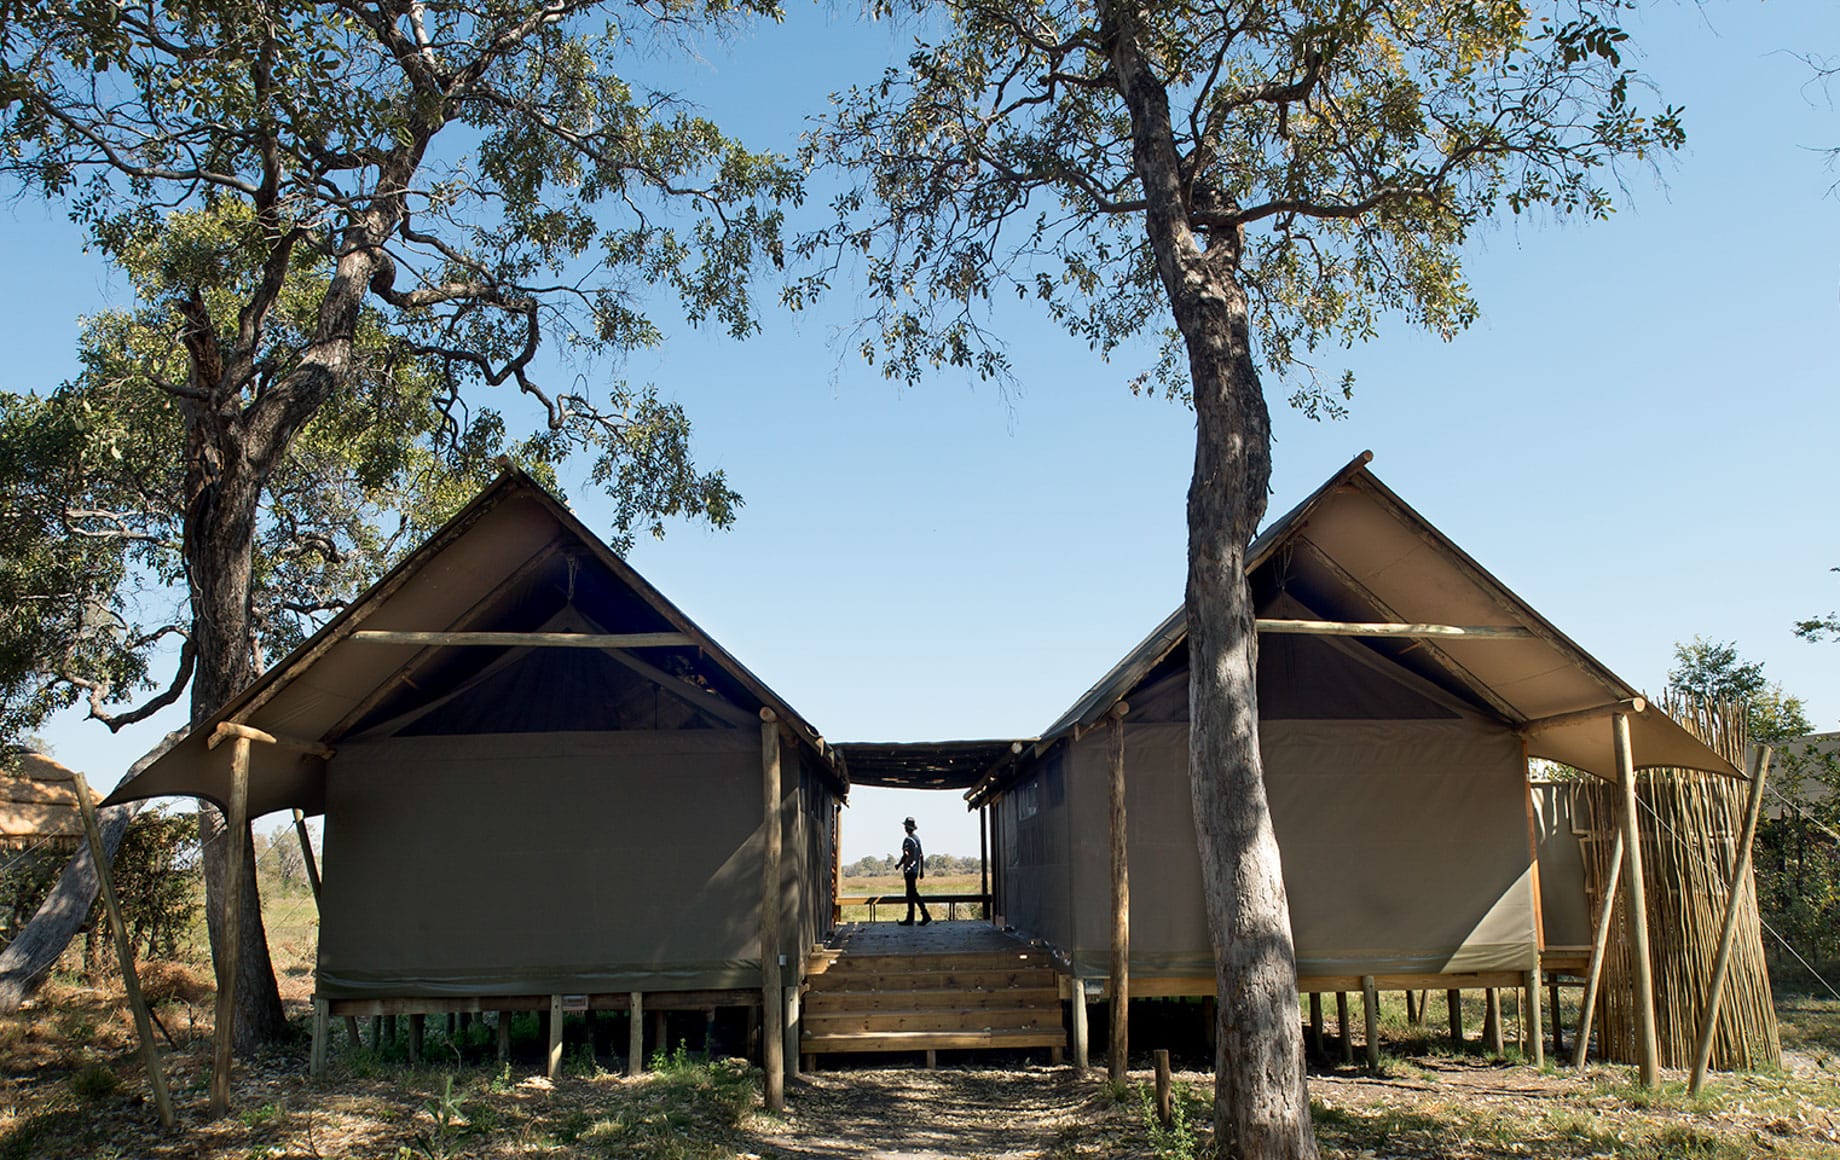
879 987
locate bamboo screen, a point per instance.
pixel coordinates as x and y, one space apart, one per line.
1690 823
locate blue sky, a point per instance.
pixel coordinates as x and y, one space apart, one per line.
1637 436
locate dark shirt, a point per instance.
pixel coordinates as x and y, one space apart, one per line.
913 862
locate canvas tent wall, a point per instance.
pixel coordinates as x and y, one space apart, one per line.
520 818
1396 765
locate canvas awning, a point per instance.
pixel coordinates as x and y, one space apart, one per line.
515 559
1353 551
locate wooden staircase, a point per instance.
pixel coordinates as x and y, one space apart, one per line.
879 988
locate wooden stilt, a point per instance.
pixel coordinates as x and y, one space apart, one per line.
1411 1008
1120 1045
1341 1024
932 1059
552 1065
792 1032
635 1034
773 1046
1530 1019
504 1036
1740 880
306 852
352 1033
322 1030
1316 1024
1454 1000
389 1030
662 1042
1558 1019
236 834
1210 1022
124 953
1165 1104
418 1031
1418 1020
984 858
1648 1047
1600 945
1078 1005
1492 1036
1370 1009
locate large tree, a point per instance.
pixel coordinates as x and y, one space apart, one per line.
1253 180
344 220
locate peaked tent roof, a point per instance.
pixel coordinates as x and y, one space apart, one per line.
510 560
1360 553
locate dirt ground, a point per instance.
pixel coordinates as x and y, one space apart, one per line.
71 1089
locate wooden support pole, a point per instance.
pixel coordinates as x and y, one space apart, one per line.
352 1033
1120 1046
1740 880
1341 1024
389 1030
1080 1033
322 1031
1316 1022
984 859
1411 1007
231 730
1492 1037
124 953
1600 946
635 1033
772 1046
1648 1046
1558 1019
1630 705
504 1036
1370 1009
1530 1019
418 1032
1165 1105
306 853
552 1064
376 1033
1453 999
237 834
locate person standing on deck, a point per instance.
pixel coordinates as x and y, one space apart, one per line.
913 867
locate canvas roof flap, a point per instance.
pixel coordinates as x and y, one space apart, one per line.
512 618
1353 551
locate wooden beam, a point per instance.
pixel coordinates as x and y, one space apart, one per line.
124 952
1120 1047
1600 946
227 730
1648 1047
1740 878
237 835
526 639
1628 705
772 1049
306 852
1388 629
692 695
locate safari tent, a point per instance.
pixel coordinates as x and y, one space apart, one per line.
541 783
1402 690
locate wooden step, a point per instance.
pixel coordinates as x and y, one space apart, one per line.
919 980
966 960
838 1022
932 1040
905 1000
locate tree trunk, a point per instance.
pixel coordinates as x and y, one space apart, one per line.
1261 1103
221 530
30 957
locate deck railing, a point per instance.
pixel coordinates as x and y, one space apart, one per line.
933 902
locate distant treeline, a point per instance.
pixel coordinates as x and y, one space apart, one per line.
887 864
